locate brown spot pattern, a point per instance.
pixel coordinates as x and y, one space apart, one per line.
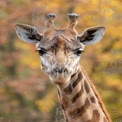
73 75
80 111
93 99
64 102
95 117
68 89
77 80
77 95
87 88
63 107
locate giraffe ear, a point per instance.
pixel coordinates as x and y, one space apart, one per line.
28 33
92 35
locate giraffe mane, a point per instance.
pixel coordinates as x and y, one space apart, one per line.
97 95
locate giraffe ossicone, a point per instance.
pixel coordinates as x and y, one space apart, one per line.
60 51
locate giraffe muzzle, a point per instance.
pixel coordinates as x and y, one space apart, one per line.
60 71
60 75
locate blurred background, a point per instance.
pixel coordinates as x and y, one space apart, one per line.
26 93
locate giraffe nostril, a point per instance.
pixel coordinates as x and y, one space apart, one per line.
54 72
60 70
66 72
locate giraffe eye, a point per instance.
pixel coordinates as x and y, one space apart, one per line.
41 51
78 52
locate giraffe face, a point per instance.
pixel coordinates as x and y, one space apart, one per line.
59 57
59 50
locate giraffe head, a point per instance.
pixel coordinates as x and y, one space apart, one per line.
59 50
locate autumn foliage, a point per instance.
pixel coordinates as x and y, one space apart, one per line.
26 94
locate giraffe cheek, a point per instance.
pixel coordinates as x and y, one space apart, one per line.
73 65
43 67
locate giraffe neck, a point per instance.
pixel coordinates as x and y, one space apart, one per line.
80 101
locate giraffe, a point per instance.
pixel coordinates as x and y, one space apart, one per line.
60 51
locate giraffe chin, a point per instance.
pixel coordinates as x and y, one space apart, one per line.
59 80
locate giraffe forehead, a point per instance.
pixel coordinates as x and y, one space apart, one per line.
71 34
60 41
